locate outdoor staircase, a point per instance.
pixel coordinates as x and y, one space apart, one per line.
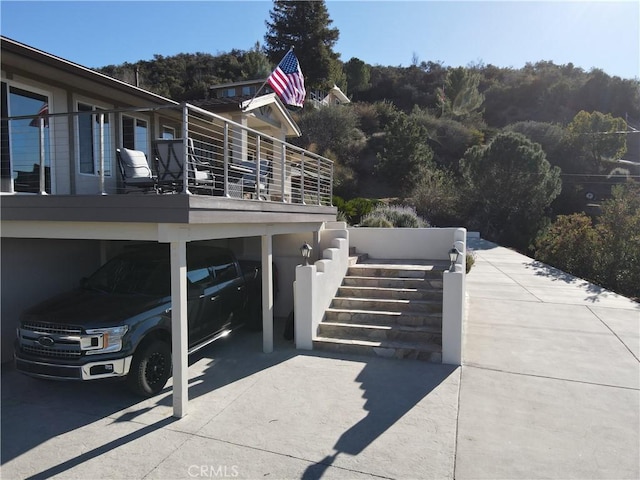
386 308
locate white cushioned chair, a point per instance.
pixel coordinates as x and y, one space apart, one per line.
135 170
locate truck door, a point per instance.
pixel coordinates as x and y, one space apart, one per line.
230 291
202 307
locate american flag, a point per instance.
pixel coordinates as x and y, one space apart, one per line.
42 113
287 81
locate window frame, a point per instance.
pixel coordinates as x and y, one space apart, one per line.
109 141
49 146
136 139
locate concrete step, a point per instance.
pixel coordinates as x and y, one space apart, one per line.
389 349
391 282
357 258
390 293
373 317
389 305
395 271
396 333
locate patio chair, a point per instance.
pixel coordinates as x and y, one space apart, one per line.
259 190
135 170
170 158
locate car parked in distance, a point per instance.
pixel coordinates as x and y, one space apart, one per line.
118 323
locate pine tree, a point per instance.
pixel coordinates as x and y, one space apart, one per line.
306 27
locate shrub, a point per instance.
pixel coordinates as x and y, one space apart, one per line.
570 244
376 222
397 216
470 260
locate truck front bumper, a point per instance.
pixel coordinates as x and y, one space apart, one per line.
89 371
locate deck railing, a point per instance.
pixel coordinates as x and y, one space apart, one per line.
216 156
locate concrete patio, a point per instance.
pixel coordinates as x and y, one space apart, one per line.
549 388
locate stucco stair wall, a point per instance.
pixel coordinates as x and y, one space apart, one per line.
392 309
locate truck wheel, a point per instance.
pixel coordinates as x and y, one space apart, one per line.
150 369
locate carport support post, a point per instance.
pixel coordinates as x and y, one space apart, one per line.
267 293
179 344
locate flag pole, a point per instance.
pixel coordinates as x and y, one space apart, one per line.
264 83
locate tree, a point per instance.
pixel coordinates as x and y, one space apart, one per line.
405 156
460 96
358 75
618 262
305 26
607 253
256 64
332 128
599 136
510 183
569 244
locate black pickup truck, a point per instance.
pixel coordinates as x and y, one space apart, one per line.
118 323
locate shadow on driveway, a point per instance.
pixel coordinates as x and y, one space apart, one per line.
36 411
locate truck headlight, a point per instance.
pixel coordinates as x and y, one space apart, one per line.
103 340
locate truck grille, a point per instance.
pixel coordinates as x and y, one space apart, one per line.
51 328
50 352
50 340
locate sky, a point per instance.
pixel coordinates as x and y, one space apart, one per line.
604 35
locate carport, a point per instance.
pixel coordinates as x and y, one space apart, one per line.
175 220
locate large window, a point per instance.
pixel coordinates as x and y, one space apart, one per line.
90 138
135 134
21 139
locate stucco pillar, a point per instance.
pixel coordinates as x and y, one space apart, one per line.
267 293
304 306
179 335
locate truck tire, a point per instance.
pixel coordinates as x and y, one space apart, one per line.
150 369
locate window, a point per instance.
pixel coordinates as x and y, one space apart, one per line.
224 270
227 92
248 90
89 135
168 133
135 134
200 277
21 138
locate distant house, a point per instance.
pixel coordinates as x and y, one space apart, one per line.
334 96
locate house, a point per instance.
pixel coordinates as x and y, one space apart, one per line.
64 207
67 206
334 96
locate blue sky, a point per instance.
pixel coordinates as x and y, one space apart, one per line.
588 34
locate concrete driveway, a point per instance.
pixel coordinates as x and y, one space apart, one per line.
549 389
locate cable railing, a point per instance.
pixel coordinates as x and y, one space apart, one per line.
174 149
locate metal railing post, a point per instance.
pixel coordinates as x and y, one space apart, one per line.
319 184
101 153
225 158
42 179
283 157
331 187
302 179
258 162
185 149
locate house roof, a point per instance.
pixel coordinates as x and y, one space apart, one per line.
339 94
242 83
258 107
10 46
67 72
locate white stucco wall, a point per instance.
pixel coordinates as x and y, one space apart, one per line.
317 284
403 243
